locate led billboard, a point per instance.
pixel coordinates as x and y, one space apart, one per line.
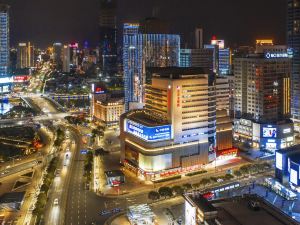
157 133
269 132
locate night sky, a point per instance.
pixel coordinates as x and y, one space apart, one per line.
236 21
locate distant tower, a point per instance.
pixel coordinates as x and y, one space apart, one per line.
4 39
108 36
198 38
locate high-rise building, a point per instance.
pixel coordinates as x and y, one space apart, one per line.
175 132
4 39
73 49
198 38
25 55
142 50
108 36
222 56
202 57
262 98
66 59
57 55
293 42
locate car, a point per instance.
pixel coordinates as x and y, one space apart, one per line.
219 180
116 210
104 212
55 202
208 195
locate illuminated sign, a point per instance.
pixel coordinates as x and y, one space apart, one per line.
279 161
220 43
97 90
294 177
6 80
20 79
158 133
269 132
270 55
73 45
190 214
286 131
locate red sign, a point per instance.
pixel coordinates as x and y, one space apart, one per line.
21 79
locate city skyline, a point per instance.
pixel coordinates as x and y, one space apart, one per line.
73 21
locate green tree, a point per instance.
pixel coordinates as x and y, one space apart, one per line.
153 195
187 186
177 190
165 192
237 173
205 181
228 176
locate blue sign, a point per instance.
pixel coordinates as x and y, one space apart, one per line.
158 133
83 152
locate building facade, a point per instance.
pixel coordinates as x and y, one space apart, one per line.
25 55
108 36
66 59
4 39
262 98
175 132
293 42
142 50
109 111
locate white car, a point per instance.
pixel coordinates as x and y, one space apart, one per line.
55 201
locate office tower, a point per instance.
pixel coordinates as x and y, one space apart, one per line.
222 56
203 57
175 132
198 38
262 98
57 55
108 36
4 39
223 123
25 55
293 42
142 50
66 59
73 48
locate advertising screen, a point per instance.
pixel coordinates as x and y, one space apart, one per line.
190 214
158 133
269 132
278 161
294 177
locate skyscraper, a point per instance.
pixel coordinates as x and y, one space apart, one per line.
142 50
262 98
57 52
108 36
293 39
66 59
25 55
4 39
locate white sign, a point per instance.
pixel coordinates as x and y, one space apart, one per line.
270 55
279 161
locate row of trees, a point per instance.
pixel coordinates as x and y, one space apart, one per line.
60 136
88 166
165 192
42 197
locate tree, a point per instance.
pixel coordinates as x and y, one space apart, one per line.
205 181
237 173
177 190
153 195
228 177
187 186
244 169
165 192
213 179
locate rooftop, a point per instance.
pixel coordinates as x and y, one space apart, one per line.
178 72
12 197
144 117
